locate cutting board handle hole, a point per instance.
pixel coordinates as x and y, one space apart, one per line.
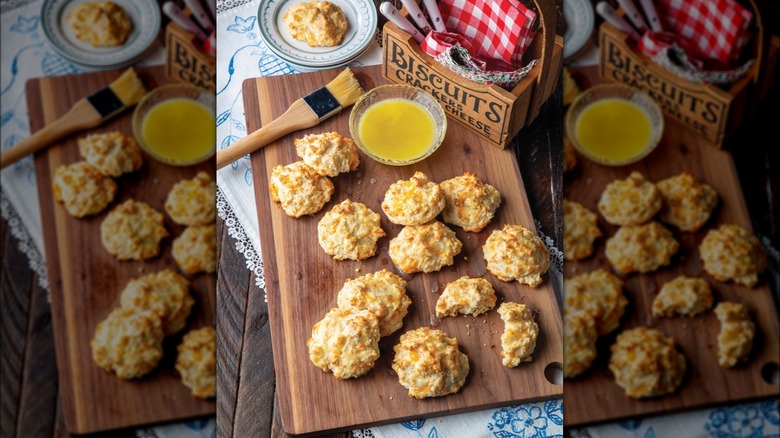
553 372
770 372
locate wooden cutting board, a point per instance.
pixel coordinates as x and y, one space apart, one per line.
302 281
85 280
594 396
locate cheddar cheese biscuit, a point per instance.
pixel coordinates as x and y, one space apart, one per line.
196 361
424 248
469 202
299 189
111 153
429 363
631 201
381 293
415 201
733 253
329 154
516 253
350 230
520 331
646 363
82 190
641 248
466 296
133 231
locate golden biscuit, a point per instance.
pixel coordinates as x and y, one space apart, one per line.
196 249
733 253
413 202
516 253
318 23
165 293
329 154
133 231
128 342
82 190
646 364
429 363
466 296
580 230
736 333
193 201
641 248
102 24
579 342
424 248
598 294
520 331
381 293
345 342
687 203
299 189
469 202
632 201
196 361
683 296
111 153
350 230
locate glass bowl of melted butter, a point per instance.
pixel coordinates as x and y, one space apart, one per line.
175 124
397 125
614 124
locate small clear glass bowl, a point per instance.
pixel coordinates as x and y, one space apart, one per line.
613 91
161 94
407 92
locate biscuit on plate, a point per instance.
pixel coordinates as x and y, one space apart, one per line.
580 230
516 253
345 342
687 203
133 231
646 363
736 333
641 248
429 363
466 296
631 201
193 201
381 293
329 154
520 331
424 248
598 294
165 293
350 230
82 190
196 361
195 250
733 253
579 342
128 342
413 202
683 296
317 23
299 189
111 153
100 23
469 202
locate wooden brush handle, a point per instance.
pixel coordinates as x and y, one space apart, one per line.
81 116
298 116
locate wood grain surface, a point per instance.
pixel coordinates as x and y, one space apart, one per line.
302 281
86 280
594 396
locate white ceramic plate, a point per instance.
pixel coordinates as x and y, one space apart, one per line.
360 14
580 18
145 15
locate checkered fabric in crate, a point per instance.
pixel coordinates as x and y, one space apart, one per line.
496 29
716 30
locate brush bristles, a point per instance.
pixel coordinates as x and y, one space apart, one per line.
128 88
346 88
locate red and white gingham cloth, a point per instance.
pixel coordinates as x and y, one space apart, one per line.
500 30
716 30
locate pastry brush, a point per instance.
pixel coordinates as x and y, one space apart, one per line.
88 112
305 112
